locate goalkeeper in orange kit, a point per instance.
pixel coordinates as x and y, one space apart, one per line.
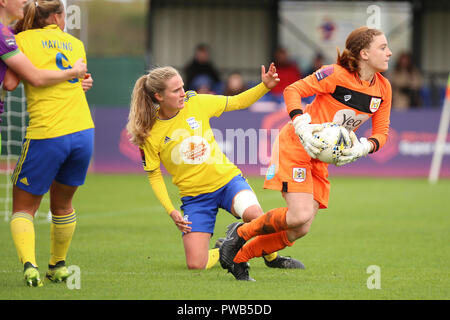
347 93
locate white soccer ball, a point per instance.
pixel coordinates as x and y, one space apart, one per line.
336 137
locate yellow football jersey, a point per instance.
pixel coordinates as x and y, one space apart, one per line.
62 108
186 146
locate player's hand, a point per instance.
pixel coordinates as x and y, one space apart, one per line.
182 225
359 149
87 82
79 68
270 79
305 131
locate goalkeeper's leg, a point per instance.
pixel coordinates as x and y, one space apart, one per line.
301 209
271 224
263 245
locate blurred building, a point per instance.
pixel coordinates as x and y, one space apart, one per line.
243 34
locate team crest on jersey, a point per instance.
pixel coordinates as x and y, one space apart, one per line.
374 104
192 123
299 174
324 72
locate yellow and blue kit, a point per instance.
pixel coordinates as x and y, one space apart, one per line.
185 145
62 108
59 139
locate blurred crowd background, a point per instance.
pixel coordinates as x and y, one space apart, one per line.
219 45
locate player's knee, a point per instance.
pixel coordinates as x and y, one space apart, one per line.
196 265
197 260
299 216
246 205
299 232
252 212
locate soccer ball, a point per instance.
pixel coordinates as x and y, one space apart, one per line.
336 138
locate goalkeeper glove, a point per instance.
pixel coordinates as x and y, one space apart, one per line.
359 149
305 131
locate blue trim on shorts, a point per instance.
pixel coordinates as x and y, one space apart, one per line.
202 210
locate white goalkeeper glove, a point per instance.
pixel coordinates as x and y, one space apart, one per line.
305 131
359 149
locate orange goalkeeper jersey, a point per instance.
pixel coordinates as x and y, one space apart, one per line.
341 97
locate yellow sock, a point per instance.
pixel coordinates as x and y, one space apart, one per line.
213 257
61 232
22 231
271 256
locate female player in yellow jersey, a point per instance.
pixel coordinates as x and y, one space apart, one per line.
172 128
349 93
58 144
12 61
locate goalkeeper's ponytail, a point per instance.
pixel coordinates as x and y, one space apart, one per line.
144 106
357 40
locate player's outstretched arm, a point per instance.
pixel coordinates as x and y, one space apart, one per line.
23 67
245 99
269 78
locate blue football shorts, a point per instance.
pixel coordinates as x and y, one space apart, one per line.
202 210
62 159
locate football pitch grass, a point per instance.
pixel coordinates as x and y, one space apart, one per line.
127 247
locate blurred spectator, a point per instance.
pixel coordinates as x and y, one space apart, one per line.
202 84
287 70
317 63
406 83
201 66
234 85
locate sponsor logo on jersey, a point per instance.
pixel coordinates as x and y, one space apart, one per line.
349 119
193 150
299 174
167 139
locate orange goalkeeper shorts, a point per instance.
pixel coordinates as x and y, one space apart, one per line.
293 170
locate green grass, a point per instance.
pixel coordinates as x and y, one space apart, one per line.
128 248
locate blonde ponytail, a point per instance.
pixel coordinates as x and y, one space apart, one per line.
142 113
144 106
